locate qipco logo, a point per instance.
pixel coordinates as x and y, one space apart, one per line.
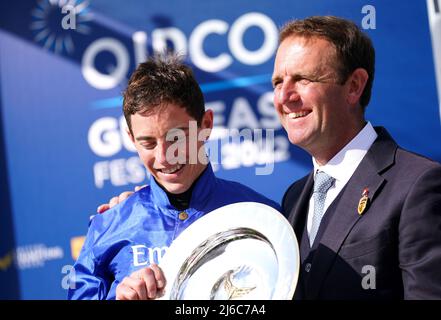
192 46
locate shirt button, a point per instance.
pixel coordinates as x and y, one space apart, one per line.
183 215
307 267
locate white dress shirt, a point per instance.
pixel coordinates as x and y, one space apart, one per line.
342 166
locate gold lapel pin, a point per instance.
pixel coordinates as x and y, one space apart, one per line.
362 204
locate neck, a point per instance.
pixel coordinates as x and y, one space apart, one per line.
333 145
181 201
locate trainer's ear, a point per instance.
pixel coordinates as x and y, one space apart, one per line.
356 84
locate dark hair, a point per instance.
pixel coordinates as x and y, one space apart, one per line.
354 48
160 80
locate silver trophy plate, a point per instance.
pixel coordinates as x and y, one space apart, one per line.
245 251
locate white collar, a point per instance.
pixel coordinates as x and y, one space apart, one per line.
345 162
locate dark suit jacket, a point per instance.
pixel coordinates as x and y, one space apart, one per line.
397 240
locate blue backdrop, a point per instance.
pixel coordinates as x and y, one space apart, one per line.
64 64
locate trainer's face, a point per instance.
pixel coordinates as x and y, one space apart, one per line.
165 157
309 101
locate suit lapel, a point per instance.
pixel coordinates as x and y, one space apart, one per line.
297 216
379 157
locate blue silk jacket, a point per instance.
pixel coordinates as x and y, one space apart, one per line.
139 230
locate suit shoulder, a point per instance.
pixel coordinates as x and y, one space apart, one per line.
415 163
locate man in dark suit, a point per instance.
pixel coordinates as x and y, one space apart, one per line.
368 217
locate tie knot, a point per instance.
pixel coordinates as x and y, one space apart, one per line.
322 182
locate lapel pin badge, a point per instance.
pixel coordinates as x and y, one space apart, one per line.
362 204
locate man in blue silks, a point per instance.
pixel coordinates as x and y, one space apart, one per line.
164 109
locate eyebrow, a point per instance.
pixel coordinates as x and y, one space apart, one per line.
184 128
144 138
314 75
295 76
275 79
148 138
